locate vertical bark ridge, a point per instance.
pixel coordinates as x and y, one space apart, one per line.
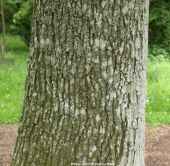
85 89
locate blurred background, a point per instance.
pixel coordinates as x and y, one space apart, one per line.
15 33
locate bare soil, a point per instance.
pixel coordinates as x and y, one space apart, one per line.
7 142
157 145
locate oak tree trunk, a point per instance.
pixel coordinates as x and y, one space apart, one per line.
85 89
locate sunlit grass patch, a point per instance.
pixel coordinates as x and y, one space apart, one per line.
12 80
158 91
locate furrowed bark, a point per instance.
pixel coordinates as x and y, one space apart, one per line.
85 89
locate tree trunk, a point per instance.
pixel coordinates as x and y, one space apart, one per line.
3 44
85 90
1 51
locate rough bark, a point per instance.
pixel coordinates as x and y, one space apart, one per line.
85 90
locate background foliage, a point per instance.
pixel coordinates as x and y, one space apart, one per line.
159 27
18 14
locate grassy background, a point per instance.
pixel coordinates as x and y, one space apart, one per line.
158 91
12 80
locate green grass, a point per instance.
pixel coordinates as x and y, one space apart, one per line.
14 43
12 82
158 91
12 78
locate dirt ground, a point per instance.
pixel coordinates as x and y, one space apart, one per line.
7 141
157 145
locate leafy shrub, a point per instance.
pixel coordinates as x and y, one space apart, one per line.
15 43
22 21
159 30
10 7
155 51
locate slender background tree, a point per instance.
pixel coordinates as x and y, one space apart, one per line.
2 43
85 89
